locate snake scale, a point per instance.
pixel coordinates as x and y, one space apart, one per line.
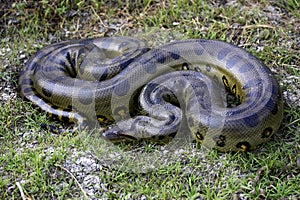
150 92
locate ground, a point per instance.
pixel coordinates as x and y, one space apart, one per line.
37 164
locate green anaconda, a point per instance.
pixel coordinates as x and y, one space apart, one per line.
107 79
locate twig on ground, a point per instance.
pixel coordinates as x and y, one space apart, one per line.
82 190
21 191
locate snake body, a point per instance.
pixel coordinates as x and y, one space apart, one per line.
108 79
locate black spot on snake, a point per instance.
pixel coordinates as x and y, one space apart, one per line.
124 64
175 54
28 90
122 88
159 56
54 107
223 53
252 120
54 114
101 118
26 82
85 95
272 106
103 76
267 132
47 92
232 61
199 135
171 117
246 67
233 89
243 146
225 82
66 109
198 50
274 111
220 140
65 118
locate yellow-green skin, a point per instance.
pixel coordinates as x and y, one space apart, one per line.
98 80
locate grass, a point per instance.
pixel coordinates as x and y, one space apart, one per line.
40 165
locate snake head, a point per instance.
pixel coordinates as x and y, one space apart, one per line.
115 134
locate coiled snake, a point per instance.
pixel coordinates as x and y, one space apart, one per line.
149 92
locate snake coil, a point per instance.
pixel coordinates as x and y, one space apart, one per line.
100 80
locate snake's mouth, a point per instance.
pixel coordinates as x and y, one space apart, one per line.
115 134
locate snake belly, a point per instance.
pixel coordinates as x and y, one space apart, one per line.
108 79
